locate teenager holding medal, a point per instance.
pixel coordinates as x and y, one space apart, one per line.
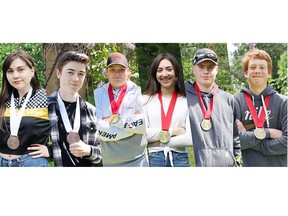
212 115
72 119
120 118
262 114
24 123
166 114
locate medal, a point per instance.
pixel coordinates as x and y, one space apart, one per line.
164 136
114 118
13 142
115 105
73 137
259 133
206 124
15 120
259 121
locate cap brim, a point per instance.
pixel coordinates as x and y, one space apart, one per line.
205 59
116 64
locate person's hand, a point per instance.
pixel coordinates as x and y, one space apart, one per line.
80 149
176 131
275 133
240 126
38 151
107 119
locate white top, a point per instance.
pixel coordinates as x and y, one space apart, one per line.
122 143
180 118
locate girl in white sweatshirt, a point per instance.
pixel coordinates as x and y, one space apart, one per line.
166 116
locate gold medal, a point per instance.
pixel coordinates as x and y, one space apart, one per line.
259 133
73 137
13 142
164 136
114 118
206 124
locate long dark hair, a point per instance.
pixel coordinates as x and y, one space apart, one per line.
153 86
7 89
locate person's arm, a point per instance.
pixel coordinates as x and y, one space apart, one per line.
249 141
134 123
236 139
106 131
246 138
184 139
276 144
273 144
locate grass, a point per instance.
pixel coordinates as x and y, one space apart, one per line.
191 156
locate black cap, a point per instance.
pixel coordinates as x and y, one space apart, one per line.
117 58
205 55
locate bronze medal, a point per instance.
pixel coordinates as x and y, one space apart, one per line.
114 118
73 137
164 136
13 142
259 133
206 124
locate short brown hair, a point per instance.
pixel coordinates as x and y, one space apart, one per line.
72 56
256 54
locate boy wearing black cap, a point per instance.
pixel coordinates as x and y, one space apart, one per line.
120 121
211 112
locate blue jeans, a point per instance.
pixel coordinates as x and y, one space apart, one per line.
157 159
24 161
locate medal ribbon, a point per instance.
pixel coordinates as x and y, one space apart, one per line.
167 119
115 106
15 120
64 116
206 113
258 121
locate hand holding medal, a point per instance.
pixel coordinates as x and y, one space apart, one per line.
72 136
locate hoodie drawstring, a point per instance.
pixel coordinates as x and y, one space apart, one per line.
266 112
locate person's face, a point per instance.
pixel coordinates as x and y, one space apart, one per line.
72 76
19 75
257 73
165 74
117 75
205 73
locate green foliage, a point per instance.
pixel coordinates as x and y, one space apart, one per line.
281 82
191 157
275 50
98 58
34 49
224 76
146 52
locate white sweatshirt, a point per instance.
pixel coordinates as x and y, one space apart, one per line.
180 118
122 143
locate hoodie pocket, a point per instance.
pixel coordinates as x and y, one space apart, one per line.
209 157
